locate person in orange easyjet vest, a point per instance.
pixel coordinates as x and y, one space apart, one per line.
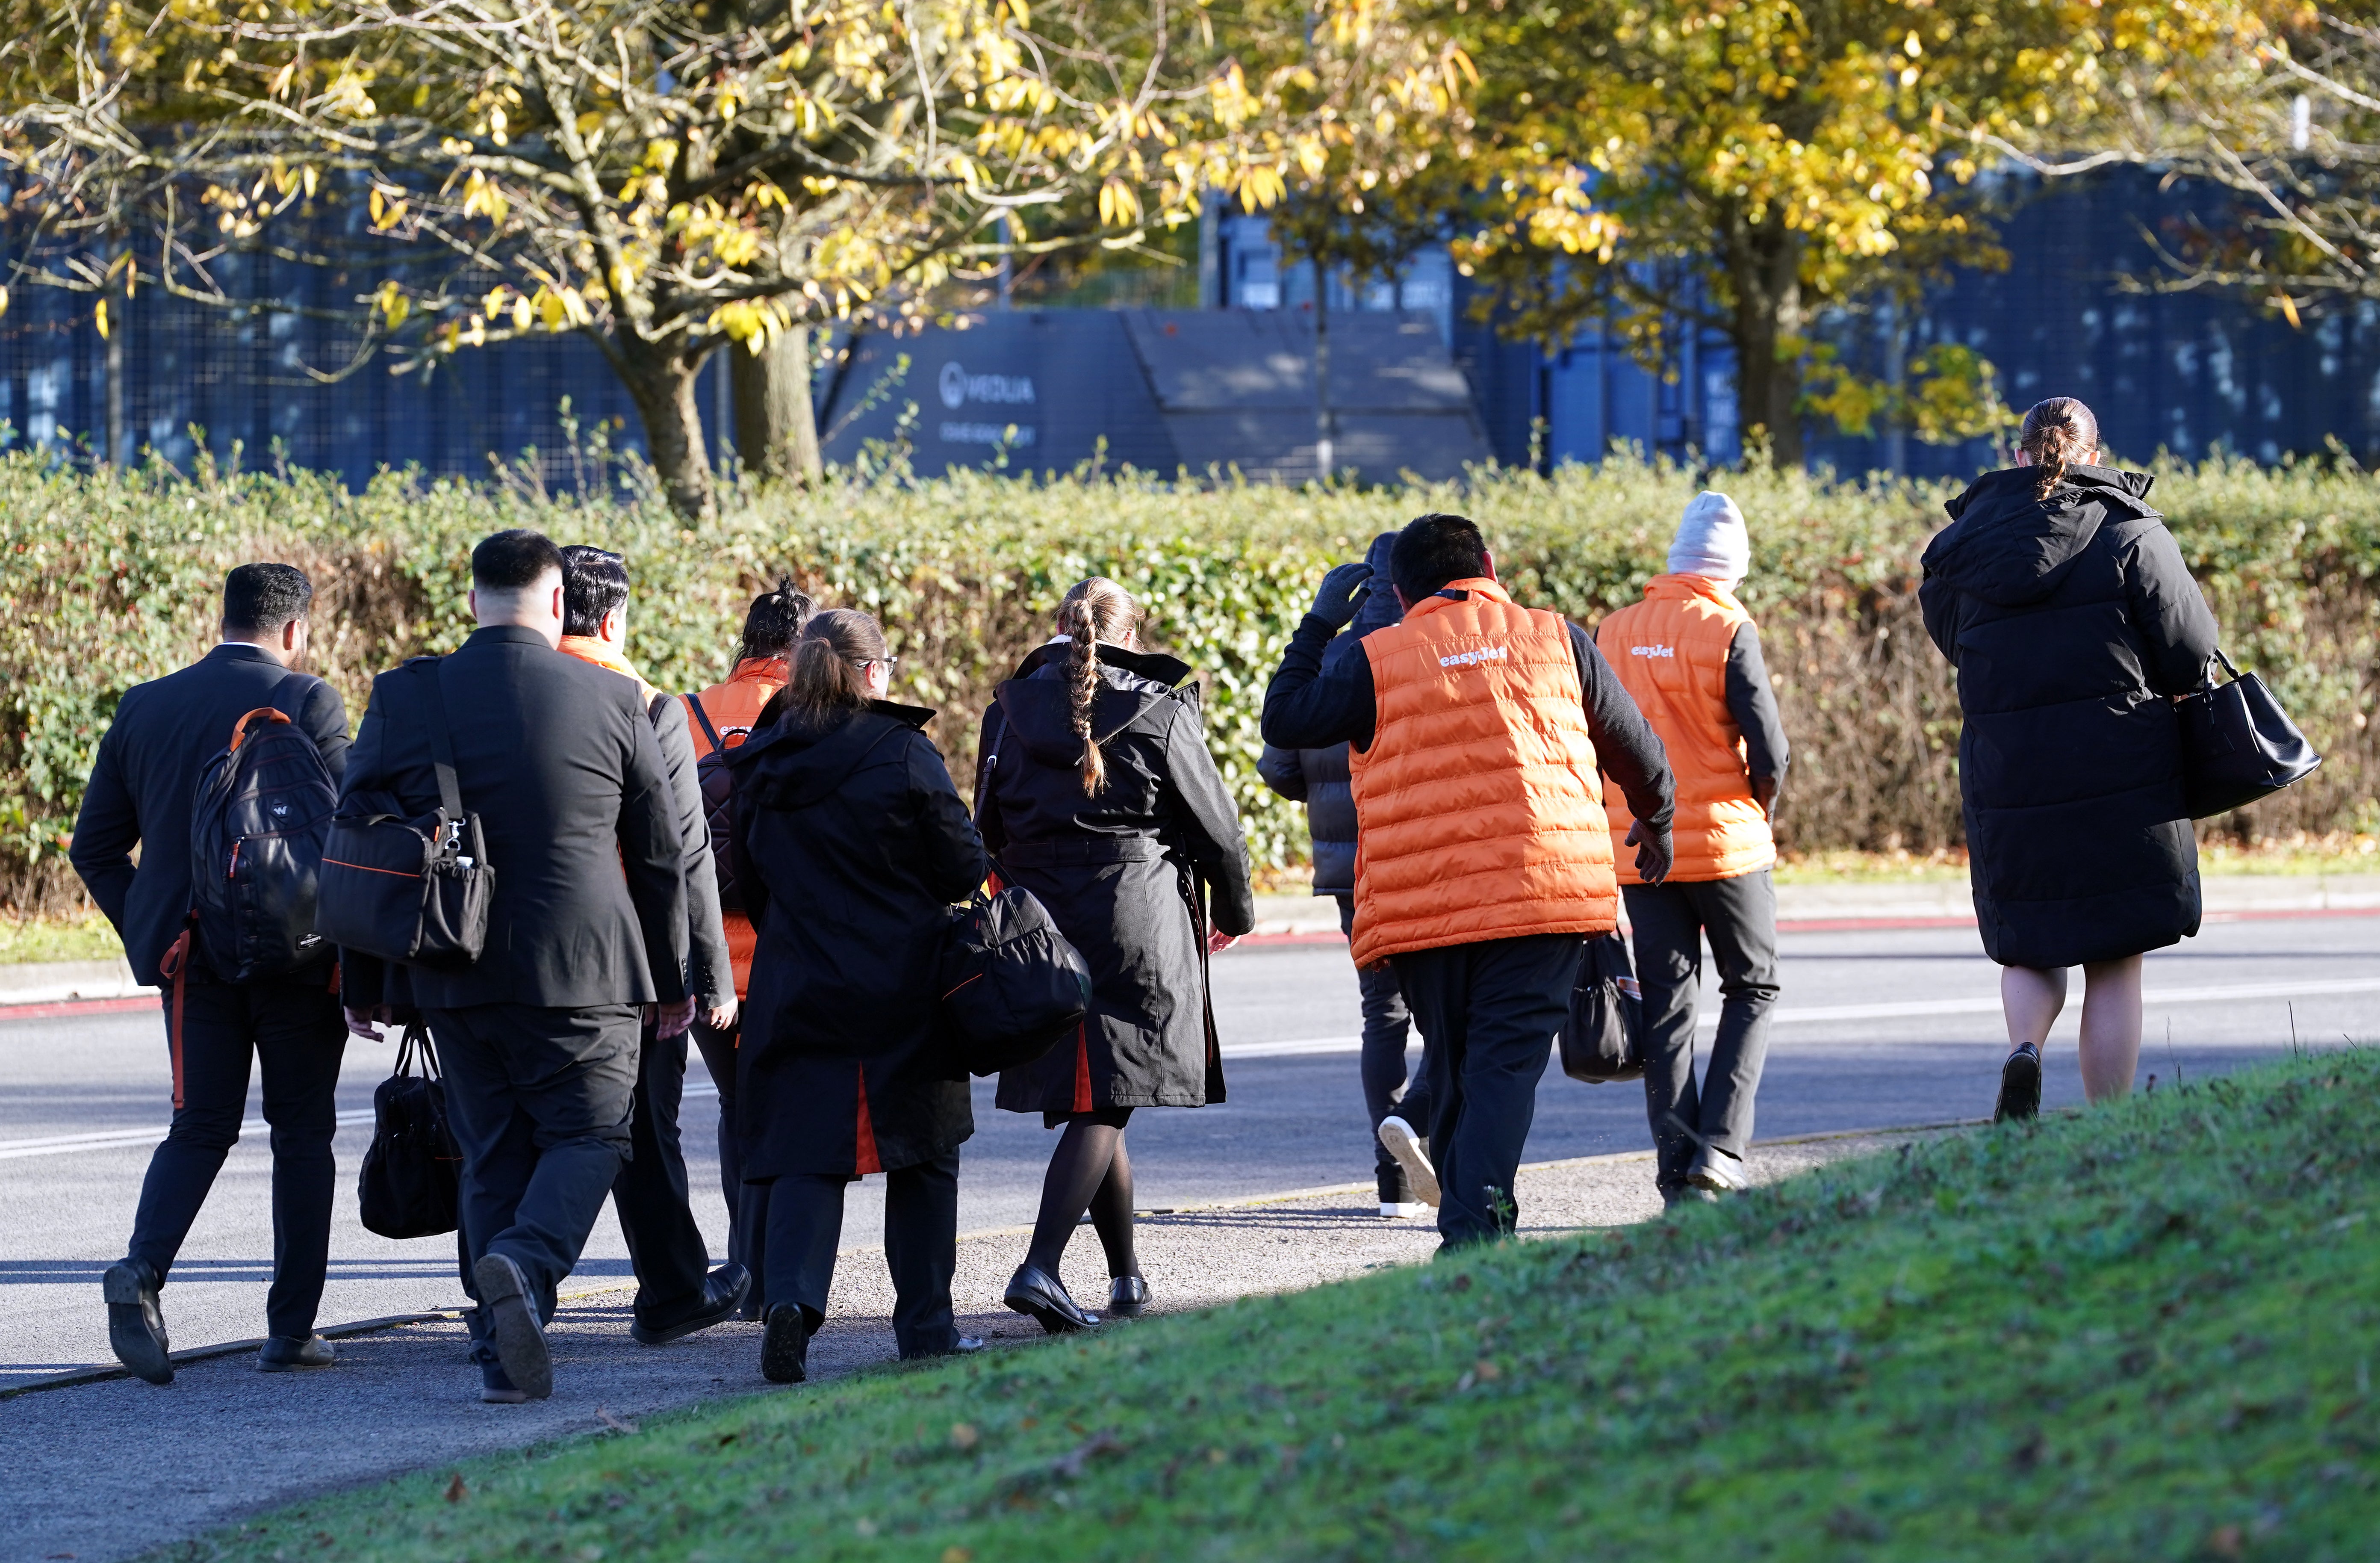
1690 655
1481 732
718 718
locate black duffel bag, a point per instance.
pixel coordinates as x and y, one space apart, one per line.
413 891
413 1171
1603 1039
1011 986
2238 744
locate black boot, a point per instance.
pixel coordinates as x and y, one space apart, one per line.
785 1345
286 1353
136 1322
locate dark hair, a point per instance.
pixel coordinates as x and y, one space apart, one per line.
261 597
594 586
775 621
827 674
2058 433
512 560
1093 610
1433 550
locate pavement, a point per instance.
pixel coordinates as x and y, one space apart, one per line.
111 1470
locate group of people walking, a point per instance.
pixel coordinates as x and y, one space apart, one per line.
768 868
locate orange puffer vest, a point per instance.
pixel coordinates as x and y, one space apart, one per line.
1670 652
1479 806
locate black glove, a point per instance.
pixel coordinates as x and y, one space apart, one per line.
1341 593
1653 853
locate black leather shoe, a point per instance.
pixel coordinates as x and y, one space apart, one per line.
1039 1295
513 1323
722 1300
2019 1086
136 1324
785 1345
1127 1295
286 1353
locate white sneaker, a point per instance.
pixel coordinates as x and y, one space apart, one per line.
1716 1170
1404 1210
1398 1136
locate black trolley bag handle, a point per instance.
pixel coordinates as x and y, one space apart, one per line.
413 891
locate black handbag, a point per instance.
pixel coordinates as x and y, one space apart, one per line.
413 1172
1011 986
2238 744
1602 1039
413 891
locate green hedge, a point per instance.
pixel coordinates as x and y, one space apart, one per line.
111 579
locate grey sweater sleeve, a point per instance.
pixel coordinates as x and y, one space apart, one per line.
1753 704
1626 748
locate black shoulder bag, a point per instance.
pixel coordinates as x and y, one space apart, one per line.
1011 986
2237 745
413 891
1602 1039
413 1172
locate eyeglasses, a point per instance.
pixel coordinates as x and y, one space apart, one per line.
886 662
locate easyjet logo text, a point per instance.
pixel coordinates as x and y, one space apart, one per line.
1653 651
1472 659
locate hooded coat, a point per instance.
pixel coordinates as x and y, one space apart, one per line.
2072 623
1320 778
1120 873
851 847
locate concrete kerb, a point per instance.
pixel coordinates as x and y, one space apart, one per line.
101 1372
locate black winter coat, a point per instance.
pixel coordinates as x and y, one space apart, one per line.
1320 778
2071 623
1118 874
851 844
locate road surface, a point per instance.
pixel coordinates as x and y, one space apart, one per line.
1876 1027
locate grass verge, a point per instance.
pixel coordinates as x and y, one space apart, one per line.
2145 1332
84 935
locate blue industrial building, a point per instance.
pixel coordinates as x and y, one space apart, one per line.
1418 383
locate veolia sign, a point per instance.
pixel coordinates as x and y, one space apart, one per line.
958 389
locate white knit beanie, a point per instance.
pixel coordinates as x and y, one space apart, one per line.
1712 540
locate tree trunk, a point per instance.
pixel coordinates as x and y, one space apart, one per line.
776 426
662 386
1765 269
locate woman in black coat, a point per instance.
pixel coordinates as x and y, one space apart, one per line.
851 844
2063 602
1095 791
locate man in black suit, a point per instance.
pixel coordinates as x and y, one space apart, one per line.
588 925
676 1291
165 734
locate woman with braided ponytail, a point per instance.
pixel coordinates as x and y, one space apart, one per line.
1095 791
2063 603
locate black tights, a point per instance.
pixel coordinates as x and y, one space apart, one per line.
1088 1171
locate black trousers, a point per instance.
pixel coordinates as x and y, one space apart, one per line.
1669 923
921 1247
540 1100
665 1246
295 1033
748 1204
1388 1027
1488 1013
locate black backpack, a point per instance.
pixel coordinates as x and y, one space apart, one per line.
412 1174
1011 986
258 817
719 803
